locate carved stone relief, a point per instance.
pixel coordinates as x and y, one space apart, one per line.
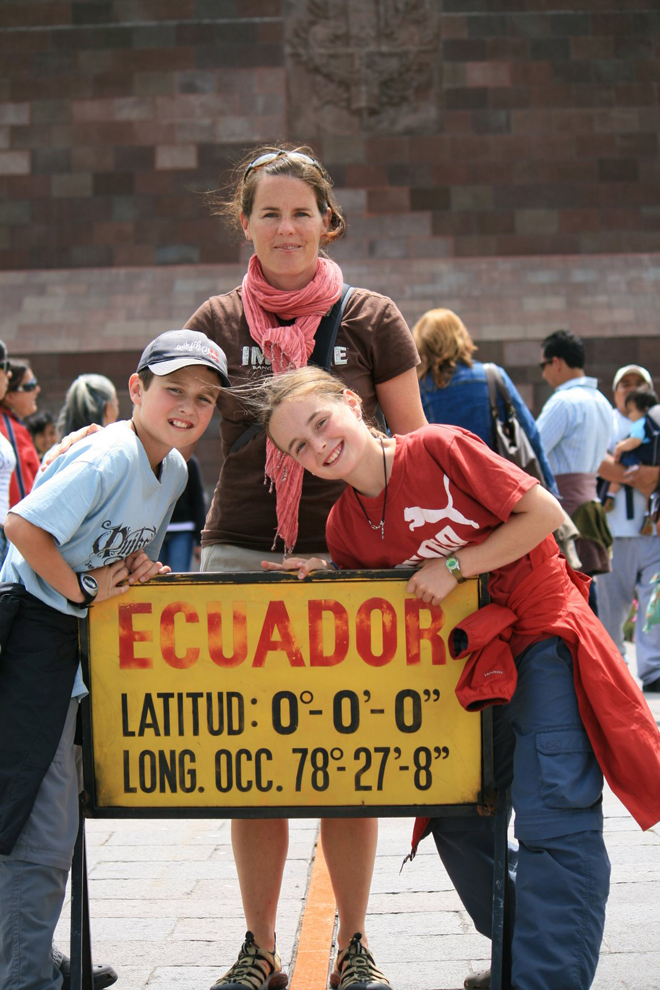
362 66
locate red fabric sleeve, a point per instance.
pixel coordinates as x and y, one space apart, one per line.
486 476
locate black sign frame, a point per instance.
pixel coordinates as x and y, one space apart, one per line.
485 805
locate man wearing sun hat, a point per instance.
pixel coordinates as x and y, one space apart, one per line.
635 556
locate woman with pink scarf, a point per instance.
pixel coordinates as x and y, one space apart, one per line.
283 203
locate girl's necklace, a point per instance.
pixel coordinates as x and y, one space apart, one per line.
381 524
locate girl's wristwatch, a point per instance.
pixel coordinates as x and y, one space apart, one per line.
453 566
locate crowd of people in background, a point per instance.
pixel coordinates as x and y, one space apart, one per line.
579 438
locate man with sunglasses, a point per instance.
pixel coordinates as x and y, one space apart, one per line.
575 426
20 401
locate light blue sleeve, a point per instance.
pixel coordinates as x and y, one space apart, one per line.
526 420
59 504
554 422
638 430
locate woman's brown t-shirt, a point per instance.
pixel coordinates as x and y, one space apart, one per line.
373 346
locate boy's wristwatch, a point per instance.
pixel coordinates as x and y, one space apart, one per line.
453 566
90 589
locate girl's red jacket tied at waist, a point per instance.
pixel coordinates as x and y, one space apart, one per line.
552 601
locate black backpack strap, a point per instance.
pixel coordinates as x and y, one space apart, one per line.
245 437
321 356
328 328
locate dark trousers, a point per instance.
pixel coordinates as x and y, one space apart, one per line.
561 870
38 662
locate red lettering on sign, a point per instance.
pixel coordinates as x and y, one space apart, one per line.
129 636
431 633
277 618
167 643
364 632
239 626
315 609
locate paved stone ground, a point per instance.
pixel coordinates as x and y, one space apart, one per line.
166 907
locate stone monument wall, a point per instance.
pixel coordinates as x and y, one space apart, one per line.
496 156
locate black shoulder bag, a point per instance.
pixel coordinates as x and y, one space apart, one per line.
509 438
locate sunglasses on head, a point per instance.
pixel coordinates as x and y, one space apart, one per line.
270 156
28 386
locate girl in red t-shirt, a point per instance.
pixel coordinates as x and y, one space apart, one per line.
434 496
441 501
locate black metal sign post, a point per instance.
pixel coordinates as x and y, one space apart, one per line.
81 946
258 695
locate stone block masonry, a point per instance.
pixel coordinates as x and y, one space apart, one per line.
497 158
515 131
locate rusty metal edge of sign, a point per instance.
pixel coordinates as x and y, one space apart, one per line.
484 807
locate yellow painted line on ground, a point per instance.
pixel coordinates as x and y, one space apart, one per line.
312 959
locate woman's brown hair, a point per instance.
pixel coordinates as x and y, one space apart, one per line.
443 341
298 162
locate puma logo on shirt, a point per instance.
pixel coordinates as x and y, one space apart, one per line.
446 539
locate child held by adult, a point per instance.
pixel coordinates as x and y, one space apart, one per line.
439 500
643 412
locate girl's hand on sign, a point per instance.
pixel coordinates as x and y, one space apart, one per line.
301 564
432 582
141 568
68 441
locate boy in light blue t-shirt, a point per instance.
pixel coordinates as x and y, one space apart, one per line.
92 526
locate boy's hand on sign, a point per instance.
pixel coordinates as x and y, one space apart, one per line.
141 568
68 441
110 580
301 564
432 582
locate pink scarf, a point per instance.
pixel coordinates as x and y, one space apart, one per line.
286 348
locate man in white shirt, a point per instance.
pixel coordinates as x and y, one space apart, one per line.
575 426
636 557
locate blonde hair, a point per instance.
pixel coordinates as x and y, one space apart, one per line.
266 397
443 341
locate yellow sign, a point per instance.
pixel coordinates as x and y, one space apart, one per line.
331 693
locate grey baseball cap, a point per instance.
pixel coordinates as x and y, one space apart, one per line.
177 349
